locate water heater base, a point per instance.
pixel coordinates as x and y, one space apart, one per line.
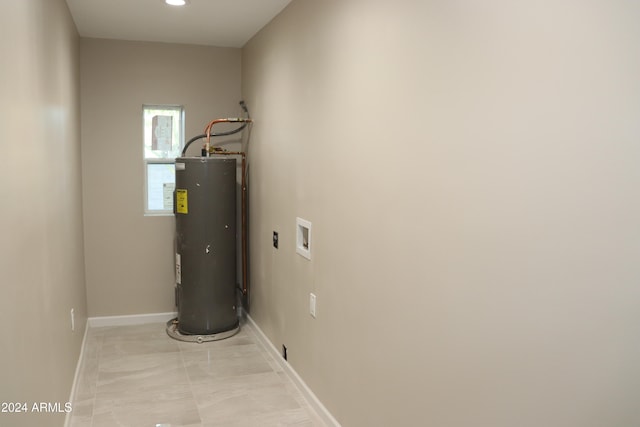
173 332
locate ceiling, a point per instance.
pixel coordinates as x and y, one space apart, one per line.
224 23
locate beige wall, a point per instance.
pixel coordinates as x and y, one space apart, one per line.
471 173
41 248
129 257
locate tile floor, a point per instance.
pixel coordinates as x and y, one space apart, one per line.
137 376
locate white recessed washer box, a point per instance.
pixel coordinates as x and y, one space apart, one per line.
303 237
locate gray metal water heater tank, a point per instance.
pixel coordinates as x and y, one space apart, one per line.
205 212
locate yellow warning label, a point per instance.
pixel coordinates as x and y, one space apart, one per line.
182 205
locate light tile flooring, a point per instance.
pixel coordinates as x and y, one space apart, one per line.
138 376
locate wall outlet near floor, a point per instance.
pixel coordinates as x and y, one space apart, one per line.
312 305
73 320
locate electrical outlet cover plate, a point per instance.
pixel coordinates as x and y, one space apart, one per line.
312 305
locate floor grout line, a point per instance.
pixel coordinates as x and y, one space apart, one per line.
193 396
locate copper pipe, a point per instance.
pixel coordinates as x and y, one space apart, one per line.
245 267
207 129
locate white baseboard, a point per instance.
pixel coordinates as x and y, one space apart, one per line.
313 400
72 394
133 319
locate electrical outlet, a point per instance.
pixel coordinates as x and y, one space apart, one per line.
73 320
312 305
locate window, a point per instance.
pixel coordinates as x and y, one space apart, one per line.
163 142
